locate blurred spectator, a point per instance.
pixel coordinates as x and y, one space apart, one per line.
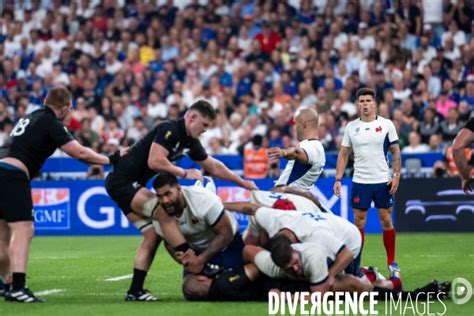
451 126
138 130
86 136
428 126
256 161
443 104
435 143
414 145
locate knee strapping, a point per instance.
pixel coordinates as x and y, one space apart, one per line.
150 206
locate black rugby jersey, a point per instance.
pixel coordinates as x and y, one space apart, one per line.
34 138
171 135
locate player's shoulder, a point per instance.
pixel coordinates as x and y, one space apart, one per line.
384 121
199 199
354 123
167 125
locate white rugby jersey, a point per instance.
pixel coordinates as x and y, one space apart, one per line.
203 210
267 198
370 142
314 259
297 174
328 230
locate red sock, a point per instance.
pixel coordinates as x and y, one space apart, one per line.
397 284
389 243
362 234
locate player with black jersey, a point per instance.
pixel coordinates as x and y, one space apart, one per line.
34 138
464 139
126 184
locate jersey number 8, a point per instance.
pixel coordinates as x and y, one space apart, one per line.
20 127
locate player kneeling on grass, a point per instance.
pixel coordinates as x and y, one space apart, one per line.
198 230
324 230
317 266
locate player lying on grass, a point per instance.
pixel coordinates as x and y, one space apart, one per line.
198 230
247 283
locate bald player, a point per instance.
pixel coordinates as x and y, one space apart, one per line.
307 160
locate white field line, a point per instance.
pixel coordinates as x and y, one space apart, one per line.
122 277
49 292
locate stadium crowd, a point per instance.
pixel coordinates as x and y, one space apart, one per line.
131 64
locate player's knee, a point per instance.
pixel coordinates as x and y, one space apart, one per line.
25 229
150 239
360 221
386 222
193 289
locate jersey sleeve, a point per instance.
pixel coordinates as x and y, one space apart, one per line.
166 135
333 244
197 152
392 133
267 219
346 140
315 266
211 205
311 152
157 227
265 264
470 125
59 132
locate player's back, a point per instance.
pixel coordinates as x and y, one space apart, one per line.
34 138
308 227
135 163
301 175
268 198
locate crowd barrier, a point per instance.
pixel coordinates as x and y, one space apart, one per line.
82 207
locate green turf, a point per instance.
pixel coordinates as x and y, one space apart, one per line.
80 266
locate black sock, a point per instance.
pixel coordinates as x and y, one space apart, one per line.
18 281
137 281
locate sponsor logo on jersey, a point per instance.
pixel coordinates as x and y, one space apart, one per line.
168 135
378 129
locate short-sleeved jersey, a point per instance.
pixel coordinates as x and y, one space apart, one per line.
202 212
300 175
370 142
325 228
470 124
328 230
171 135
34 138
315 259
267 198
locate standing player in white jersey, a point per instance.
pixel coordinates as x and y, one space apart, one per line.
370 137
307 160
